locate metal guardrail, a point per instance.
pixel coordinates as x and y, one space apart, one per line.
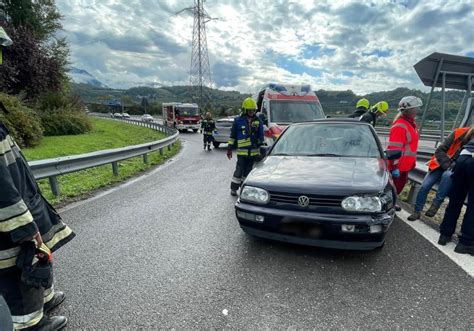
429 135
52 168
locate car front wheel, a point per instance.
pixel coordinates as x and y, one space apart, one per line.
216 144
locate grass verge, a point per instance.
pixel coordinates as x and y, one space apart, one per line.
106 135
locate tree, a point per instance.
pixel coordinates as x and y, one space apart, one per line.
37 61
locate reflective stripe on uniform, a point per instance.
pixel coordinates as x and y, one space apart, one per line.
231 141
16 222
16 209
5 146
26 321
394 144
8 257
236 180
48 294
58 237
403 126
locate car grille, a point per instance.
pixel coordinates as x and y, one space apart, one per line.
314 200
189 122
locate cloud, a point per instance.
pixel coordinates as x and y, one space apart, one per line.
360 45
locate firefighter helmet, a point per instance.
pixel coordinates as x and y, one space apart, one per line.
380 107
364 103
249 104
409 103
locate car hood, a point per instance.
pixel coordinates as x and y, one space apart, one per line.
320 175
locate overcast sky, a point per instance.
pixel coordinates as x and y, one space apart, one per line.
338 45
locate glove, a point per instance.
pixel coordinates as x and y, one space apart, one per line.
395 173
38 274
229 153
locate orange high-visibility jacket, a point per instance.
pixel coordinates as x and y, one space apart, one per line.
446 151
404 136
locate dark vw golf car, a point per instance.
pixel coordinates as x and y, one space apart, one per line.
323 183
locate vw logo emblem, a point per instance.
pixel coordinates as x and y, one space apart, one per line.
303 201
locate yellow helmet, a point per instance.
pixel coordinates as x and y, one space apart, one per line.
363 103
249 104
380 107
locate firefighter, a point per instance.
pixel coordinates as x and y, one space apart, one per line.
362 107
463 186
376 111
404 136
246 137
29 227
440 171
208 126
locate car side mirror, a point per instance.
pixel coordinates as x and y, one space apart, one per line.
393 154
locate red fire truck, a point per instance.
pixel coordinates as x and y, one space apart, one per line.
280 105
181 116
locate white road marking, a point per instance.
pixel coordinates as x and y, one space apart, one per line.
465 261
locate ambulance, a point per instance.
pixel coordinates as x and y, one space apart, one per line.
281 105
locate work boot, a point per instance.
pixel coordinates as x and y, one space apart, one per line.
464 249
432 211
233 193
208 147
415 216
52 323
204 146
443 239
57 299
398 208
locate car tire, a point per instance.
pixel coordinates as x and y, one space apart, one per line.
381 246
195 130
216 144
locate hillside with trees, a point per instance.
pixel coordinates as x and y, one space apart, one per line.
35 95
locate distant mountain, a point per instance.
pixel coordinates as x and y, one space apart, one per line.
335 103
81 76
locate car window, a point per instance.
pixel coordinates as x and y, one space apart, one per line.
328 139
284 112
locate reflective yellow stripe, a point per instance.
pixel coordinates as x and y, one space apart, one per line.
16 222
48 294
13 210
231 141
58 237
25 321
4 147
4 264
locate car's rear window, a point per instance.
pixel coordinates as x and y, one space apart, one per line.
328 139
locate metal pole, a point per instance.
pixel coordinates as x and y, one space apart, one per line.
53 182
459 112
440 64
115 168
443 108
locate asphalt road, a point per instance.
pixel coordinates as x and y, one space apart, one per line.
165 251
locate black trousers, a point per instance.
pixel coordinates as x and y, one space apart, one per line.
463 185
243 168
207 139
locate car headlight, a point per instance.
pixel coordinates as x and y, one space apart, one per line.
361 204
254 194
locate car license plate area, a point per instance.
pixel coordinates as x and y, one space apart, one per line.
300 228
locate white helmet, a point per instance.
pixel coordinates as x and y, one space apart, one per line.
409 103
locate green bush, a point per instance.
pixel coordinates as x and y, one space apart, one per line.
61 122
23 124
62 114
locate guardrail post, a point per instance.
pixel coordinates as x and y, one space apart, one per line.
415 188
169 147
115 169
53 183
145 158
161 151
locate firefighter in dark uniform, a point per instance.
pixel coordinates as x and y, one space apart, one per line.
208 126
29 228
361 108
246 137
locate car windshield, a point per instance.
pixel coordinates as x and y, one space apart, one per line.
285 112
328 139
187 111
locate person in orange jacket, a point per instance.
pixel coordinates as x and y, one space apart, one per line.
440 171
404 136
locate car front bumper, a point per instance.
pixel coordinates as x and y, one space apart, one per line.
221 138
315 229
